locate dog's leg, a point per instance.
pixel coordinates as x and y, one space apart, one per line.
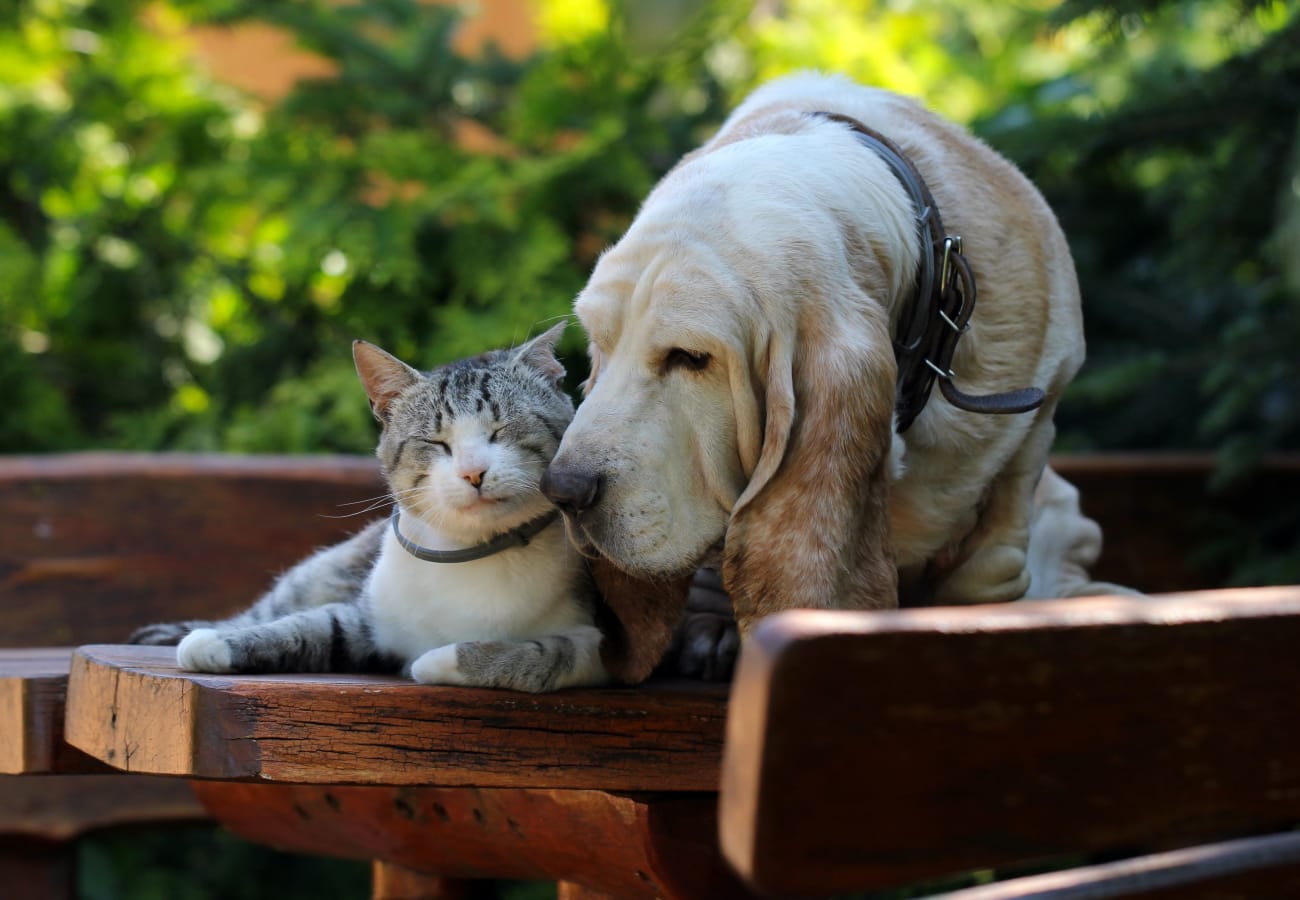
1063 544
994 566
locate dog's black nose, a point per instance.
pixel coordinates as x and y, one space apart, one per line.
572 490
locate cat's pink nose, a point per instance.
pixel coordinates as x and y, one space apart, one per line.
474 478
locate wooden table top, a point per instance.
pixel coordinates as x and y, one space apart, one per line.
132 708
32 684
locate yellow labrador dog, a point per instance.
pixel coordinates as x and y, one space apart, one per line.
766 341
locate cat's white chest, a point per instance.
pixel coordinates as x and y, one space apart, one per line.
518 593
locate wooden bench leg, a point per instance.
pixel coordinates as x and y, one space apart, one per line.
390 881
39 870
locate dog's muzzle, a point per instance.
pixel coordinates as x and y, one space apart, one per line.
572 489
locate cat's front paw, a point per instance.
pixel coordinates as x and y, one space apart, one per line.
438 666
205 650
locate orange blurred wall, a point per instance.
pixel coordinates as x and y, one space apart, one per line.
264 60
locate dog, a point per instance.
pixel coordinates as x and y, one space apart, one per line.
796 375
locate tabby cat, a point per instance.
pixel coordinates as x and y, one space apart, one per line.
471 581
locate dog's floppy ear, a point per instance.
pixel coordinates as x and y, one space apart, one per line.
812 526
637 618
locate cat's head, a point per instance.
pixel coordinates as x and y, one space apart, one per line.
465 445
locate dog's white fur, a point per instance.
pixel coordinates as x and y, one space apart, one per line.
784 250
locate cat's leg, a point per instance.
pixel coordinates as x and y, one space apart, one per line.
336 637
332 575
570 658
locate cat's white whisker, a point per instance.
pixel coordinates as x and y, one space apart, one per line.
375 503
387 496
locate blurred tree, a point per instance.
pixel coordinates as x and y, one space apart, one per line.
1176 195
1170 155
182 267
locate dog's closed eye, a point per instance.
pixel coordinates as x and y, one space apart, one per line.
690 360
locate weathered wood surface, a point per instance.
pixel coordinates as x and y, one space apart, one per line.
94 545
625 845
1256 868
133 709
62 792
32 687
868 750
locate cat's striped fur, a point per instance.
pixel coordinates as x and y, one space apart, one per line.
463 450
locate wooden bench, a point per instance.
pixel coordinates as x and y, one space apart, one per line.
614 792
940 740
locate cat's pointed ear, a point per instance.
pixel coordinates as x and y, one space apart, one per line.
539 353
383 375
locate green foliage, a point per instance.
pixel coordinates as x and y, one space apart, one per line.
204 863
184 267
201 862
1176 198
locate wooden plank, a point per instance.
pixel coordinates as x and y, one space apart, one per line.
633 846
33 683
133 709
195 535
94 545
1159 514
1244 869
62 807
866 750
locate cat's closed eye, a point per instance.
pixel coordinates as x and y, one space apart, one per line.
496 433
439 445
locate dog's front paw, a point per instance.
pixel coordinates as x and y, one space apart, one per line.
205 650
706 641
705 647
438 666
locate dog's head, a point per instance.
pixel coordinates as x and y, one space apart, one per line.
741 391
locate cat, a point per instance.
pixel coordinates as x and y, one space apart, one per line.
504 601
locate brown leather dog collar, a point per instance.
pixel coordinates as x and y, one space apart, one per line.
940 311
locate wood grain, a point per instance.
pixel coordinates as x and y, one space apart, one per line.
630 846
867 750
133 709
33 683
